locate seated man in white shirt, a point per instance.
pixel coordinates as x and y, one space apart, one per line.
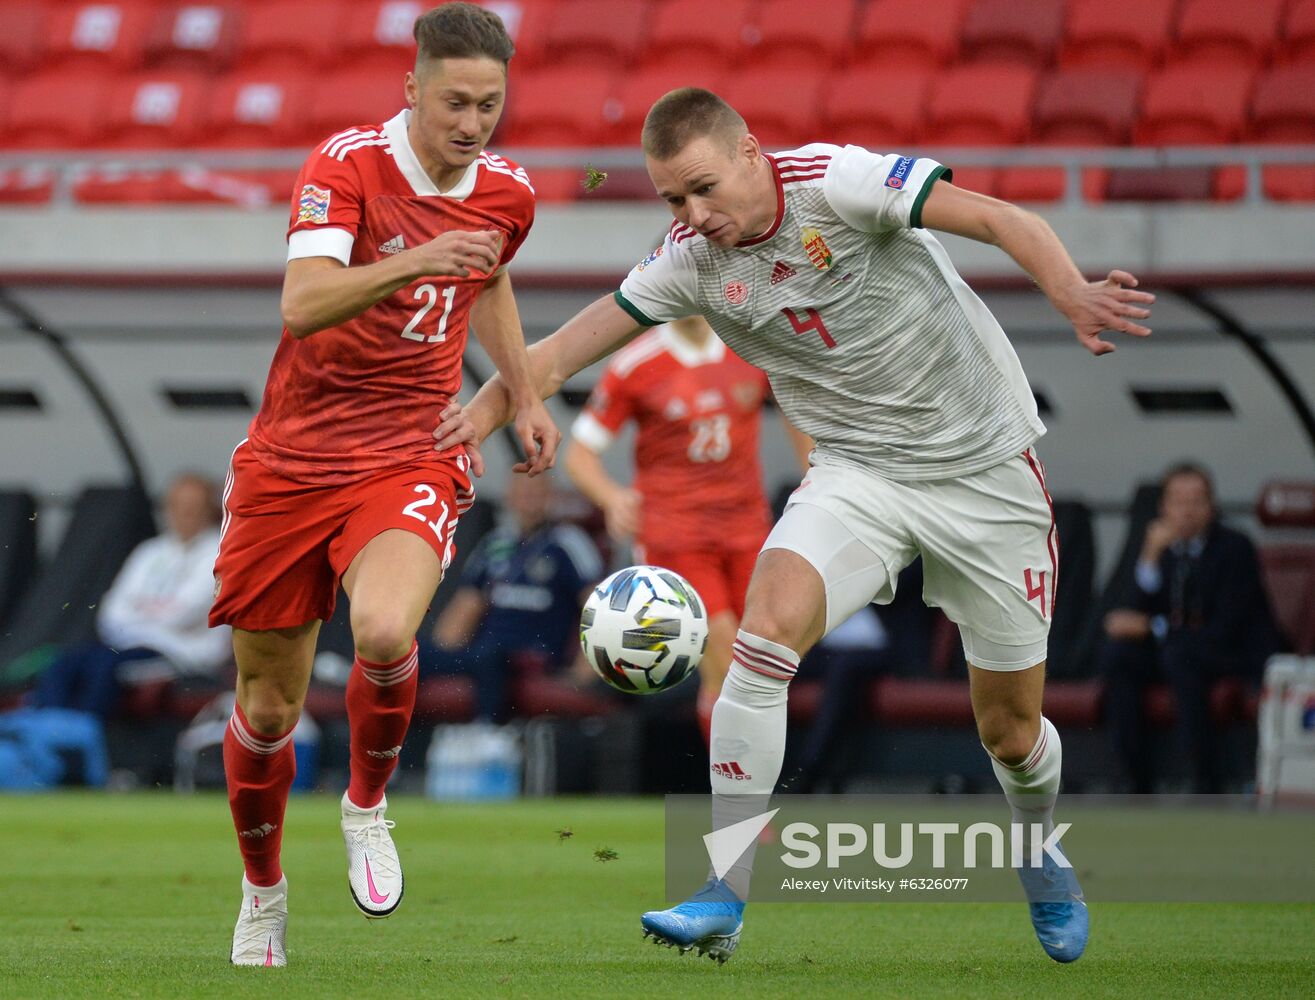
156 611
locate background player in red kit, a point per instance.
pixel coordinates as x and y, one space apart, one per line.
697 504
400 236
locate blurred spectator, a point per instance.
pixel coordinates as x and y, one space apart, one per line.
1196 613
519 598
152 622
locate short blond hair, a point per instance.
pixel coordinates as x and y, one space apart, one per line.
690 113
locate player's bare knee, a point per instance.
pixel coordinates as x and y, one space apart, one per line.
1007 735
381 636
270 713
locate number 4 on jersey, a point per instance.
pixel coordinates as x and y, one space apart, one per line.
812 323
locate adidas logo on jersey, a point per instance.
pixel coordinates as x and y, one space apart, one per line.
780 271
395 245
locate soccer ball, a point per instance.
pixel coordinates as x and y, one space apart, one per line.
643 629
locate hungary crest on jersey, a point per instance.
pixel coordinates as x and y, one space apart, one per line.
815 246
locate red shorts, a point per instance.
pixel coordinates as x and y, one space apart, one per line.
285 544
721 576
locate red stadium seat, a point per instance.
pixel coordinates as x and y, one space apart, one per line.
1010 31
789 30
1289 574
26 186
526 22
779 105
22 33
1160 184
1289 182
290 33
1220 32
196 35
1230 183
58 110
557 184
1086 107
1046 184
723 29
1299 32
983 180
360 97
980 104
1194 103
557 106
853 113
1030 184
87 34
151 110
258 108
1116 33
1283 106
188 186
625 110
378 35
606 31
890 39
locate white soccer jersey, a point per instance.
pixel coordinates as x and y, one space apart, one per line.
875 346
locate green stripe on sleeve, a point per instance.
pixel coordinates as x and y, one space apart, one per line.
915 213
635 312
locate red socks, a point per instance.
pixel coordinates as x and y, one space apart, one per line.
259 770
380 699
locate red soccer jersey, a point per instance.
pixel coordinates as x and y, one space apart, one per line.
696 452
366 394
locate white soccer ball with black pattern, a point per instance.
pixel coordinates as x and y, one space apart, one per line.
644 629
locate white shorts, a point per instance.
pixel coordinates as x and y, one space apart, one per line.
987 542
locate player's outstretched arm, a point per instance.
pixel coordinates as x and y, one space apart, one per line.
620 504
1091 306
320 292
498 327
595 332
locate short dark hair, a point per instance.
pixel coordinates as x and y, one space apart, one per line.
462 31
1189 469
680 117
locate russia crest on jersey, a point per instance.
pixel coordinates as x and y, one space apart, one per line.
314 204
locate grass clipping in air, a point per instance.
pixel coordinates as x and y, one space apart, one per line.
593 179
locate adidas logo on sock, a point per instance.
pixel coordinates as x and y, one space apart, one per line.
264 830
780 271
395 245
386 754
731 770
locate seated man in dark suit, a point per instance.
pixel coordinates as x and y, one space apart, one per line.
1196 612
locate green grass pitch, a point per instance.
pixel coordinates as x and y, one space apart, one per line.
135 896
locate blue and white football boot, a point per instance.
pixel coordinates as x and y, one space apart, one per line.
1059 914
710 920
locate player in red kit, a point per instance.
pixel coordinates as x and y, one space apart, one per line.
400 237
697 504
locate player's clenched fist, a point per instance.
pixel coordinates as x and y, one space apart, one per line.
460 253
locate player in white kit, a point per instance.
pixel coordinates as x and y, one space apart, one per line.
816 265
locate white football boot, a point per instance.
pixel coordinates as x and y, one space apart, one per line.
260 937
374 872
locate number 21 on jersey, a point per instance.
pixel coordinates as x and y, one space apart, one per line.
427 295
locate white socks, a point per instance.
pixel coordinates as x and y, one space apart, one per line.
1032 786
748 739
